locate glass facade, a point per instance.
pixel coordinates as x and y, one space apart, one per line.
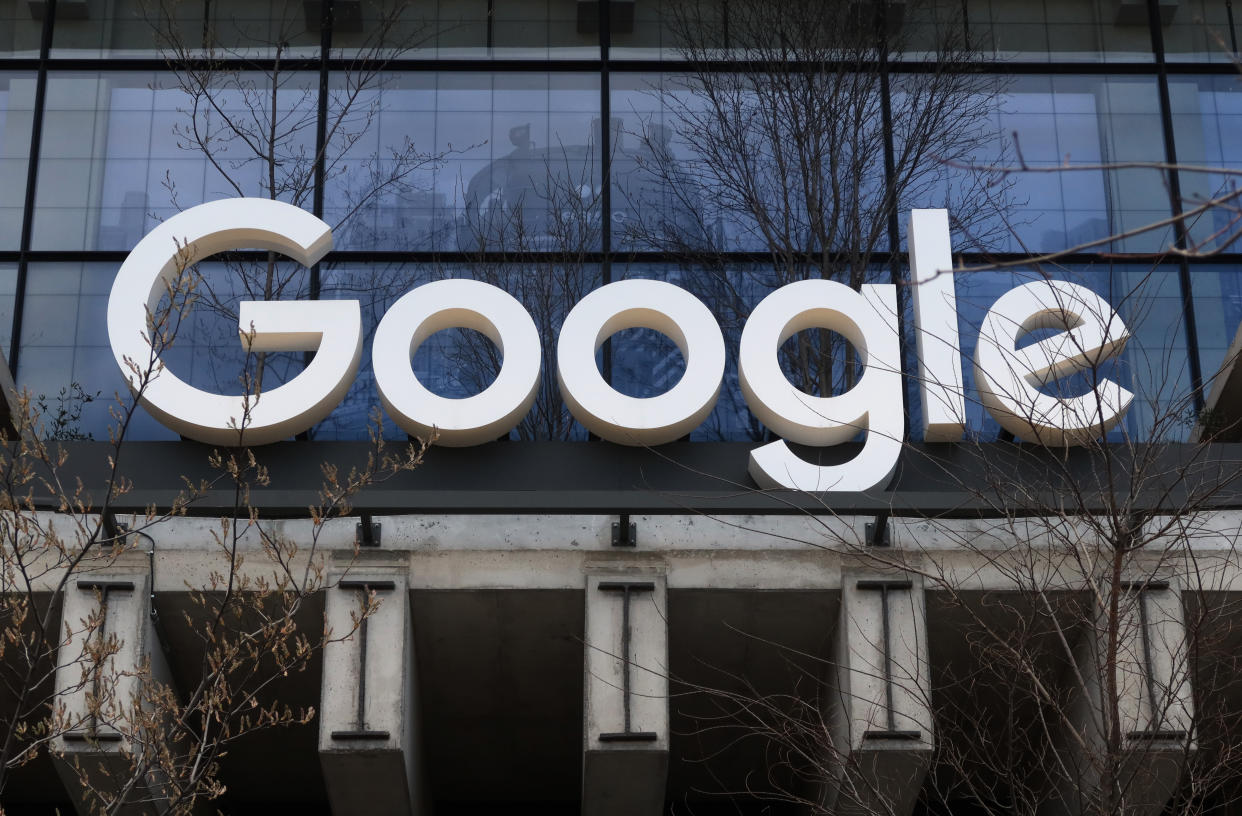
552 146
1070 139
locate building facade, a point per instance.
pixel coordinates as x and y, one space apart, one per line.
605 627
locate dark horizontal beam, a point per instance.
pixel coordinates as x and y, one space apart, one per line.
673 65
957 480
397 256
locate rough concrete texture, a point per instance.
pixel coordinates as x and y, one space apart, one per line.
368 723
507 612
1154 705
626 737
106 614
879 703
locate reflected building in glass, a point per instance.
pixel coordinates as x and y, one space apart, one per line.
552 147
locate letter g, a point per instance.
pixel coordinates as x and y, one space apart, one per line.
333 329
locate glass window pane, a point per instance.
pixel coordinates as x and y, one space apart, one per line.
67 360
466 162
646 363
466 29
559 28
1207 124
1154 365
122 152
457 363
1044 31
8 297
21 28
935 30
17 91
666 30
1199 31
177 30
805 29
785 162
1038 176
1218 314
1062 30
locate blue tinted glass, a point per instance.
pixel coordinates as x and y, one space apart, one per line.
728 162
816 363
645 363
1207 124
467 162
65 346
8 290
66 364
1154 364
1033 173
122 152
1218 314
459 363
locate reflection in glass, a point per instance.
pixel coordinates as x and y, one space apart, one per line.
17 91
469 29
1199 31
21 28
8 290
1040 129
122 152
66 362
460 363
663 30
1062 30
1154 364
1207 124
471 162
64 342
723 164
181 29
646 369
1217 291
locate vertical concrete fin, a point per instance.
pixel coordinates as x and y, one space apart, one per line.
879 706
368 715
109 663
625 737
1155 710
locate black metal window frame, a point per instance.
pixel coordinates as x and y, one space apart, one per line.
45 65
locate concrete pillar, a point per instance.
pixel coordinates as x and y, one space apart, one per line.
1154 707
110 662
878 702
368 713
625 741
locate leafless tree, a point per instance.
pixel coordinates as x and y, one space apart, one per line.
541 202
69 680
771 137
1081 651
261 133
